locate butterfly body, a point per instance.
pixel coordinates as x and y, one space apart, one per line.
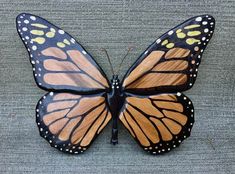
116 100
81 101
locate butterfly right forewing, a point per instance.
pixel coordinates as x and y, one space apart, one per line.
171 63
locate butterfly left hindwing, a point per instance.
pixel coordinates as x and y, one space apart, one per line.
71 122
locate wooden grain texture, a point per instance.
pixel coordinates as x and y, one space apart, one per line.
115 25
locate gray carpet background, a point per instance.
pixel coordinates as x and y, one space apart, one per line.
116 25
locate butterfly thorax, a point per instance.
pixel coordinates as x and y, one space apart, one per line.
115 96
115 100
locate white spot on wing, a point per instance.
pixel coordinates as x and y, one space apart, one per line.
204 22
206 30
178 94
72 40
26 21
61 31
170 32
198 19
33 18
24 29
158 41
34 47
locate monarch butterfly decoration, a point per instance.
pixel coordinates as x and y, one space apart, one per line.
81 100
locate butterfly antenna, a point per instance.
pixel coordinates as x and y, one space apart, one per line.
106 52
128 51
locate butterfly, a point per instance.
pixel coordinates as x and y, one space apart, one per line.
81 101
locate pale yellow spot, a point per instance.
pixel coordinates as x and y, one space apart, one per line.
191 26
66 42
39 25
165 42
37 32
50 34
191 41
60 44
181 35
178 31
170 45
39 40
193 33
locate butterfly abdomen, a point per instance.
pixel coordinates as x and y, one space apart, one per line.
115 101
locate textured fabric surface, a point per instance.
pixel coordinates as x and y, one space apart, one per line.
116 25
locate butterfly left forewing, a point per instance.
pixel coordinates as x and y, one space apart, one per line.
59 62
171 63
158 123
70 122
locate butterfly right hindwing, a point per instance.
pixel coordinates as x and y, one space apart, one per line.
158 122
